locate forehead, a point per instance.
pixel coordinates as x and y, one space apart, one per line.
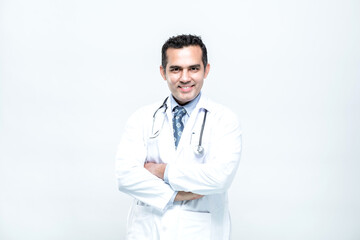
190 55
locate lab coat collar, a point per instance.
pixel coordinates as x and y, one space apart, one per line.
204 103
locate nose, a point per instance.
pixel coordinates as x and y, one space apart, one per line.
185 76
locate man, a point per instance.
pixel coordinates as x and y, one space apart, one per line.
178 159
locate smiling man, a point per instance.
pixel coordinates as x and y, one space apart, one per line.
184 72
178 158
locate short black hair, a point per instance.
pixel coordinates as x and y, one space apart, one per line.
181 41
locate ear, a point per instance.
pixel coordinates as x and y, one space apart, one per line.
162 72
207 69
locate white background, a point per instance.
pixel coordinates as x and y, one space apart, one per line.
71 73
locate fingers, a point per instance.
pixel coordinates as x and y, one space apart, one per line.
185 196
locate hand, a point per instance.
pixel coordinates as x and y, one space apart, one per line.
184 196
157 169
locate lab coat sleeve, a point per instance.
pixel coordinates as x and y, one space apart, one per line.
216 174
131 175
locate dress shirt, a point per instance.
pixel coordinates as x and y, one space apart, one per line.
189 107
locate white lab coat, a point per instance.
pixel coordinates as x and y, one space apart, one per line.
210 175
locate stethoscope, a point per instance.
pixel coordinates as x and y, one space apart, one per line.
198 149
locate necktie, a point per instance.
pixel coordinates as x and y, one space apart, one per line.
178 125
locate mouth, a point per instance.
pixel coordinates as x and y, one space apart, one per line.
186 88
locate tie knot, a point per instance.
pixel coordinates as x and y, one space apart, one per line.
179 111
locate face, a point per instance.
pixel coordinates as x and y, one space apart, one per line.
185 72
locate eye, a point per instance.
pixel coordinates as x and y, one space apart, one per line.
174 69
194 69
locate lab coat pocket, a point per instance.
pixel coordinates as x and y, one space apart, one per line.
153 153
196 150
141 225
194 225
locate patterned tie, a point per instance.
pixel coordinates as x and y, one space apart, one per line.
178 125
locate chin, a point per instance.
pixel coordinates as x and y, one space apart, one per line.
186 100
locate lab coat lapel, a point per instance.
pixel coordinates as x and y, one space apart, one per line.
185 138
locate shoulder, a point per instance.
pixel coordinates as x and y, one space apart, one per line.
222 114
219 110
145 113
147 109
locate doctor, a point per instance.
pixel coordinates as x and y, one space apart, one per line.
177 158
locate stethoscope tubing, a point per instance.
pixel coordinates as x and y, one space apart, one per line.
199 149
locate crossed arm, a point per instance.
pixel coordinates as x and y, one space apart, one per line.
188 180
158 170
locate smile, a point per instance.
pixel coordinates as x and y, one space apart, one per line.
186 88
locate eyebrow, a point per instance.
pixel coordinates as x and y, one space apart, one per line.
195 66
191 66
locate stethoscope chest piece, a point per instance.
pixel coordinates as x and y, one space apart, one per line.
198 151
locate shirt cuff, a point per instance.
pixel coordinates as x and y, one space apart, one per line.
171 202
166 179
